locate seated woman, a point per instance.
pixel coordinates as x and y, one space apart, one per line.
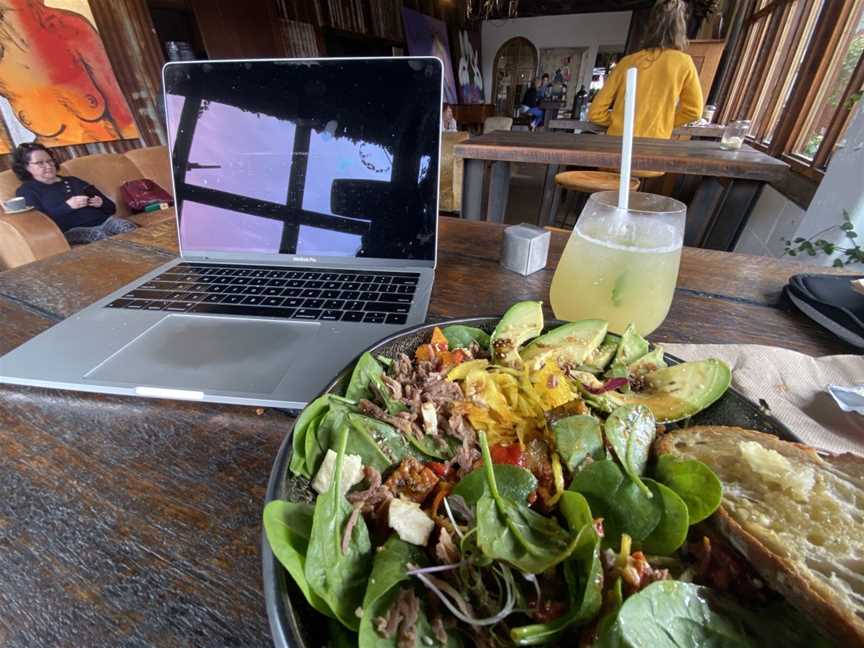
668 93
81 211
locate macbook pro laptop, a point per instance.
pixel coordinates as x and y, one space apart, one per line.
307 199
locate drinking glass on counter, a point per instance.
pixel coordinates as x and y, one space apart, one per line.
621 265
734 134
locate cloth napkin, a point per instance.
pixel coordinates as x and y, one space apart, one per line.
795 386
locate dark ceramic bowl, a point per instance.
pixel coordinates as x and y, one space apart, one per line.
293 622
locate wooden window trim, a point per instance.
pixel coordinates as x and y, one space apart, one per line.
841 115
757 78
813 69
774 99
767 9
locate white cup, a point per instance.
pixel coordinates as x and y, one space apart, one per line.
14 204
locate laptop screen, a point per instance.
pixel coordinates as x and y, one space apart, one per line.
332 157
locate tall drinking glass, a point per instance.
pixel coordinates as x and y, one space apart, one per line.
621 265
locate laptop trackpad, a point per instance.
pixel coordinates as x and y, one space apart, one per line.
218 354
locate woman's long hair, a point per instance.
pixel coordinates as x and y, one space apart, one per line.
667 26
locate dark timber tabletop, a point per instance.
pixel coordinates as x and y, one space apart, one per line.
674 156
134 522
728 183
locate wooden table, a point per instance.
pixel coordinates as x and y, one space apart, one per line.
716 215
711 131
134 522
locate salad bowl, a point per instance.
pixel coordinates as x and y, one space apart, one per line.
293 622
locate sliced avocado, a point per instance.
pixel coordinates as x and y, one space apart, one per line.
675 392
569 344
632 347
519 324
648 363
600 357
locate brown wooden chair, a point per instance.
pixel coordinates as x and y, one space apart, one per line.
582 184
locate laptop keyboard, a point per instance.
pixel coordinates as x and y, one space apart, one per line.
261 291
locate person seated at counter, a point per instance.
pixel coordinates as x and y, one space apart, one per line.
531 101
80 210
668 93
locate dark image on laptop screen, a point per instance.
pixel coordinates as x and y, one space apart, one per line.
319 158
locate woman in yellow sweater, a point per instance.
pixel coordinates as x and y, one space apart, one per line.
668 93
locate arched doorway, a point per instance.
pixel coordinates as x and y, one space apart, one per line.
512 71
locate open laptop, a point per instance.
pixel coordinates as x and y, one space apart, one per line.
307 202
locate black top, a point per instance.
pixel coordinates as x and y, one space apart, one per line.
51 199
530 99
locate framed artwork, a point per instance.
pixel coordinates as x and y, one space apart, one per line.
427 36
564 67
56 83
466 54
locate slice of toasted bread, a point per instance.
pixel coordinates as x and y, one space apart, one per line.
796 515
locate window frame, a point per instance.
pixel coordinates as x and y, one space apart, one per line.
753 67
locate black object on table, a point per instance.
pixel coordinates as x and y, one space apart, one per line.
830 301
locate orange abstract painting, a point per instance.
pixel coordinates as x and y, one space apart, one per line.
56 83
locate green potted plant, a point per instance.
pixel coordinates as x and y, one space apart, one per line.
849 253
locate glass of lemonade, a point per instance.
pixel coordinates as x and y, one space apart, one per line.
621 265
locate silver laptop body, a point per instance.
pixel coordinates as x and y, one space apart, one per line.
290 176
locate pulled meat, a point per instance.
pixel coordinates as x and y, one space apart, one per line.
415 384
393 386
349 529
464 459
401 423
401 616
439 631
374 495
445 549
411 480
440 391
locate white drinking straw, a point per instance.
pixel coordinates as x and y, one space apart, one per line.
627 139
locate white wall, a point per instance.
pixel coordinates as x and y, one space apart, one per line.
841 188
572 30
775 218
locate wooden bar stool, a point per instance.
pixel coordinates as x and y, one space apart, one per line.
582 184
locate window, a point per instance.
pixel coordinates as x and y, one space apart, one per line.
796 69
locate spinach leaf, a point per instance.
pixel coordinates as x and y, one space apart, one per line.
512 532
379 442
434 447
575 510
583 572
384 360
694 482
321 437
359 387
388 571
366 382
618 500
514 483
287 526
313 413
577 438
461 337
338 578
630 431
671 531
671 614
